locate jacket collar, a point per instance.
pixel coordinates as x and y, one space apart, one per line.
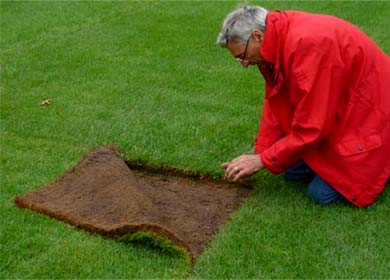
271 50
272 46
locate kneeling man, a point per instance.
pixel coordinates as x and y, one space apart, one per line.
326 113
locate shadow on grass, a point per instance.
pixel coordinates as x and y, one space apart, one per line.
155 243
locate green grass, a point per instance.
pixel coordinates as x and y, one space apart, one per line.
148 77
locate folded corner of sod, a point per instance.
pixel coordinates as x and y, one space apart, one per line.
102 195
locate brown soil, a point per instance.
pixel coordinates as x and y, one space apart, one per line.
101 194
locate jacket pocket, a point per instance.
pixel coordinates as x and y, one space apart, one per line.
359 146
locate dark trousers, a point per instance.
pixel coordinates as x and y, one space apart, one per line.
319 190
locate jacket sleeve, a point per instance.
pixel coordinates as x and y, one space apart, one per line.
316 82
269 130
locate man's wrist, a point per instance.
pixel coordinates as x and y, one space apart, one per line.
259 162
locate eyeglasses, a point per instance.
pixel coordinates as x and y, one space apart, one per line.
241 59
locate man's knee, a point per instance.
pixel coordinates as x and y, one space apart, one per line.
317 195
323 193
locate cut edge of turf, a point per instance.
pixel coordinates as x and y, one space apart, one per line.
151 240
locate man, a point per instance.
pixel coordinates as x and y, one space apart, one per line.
326 113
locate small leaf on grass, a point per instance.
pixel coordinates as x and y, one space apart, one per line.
45 103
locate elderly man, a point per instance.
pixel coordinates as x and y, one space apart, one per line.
326 113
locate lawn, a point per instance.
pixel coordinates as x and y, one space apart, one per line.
149 78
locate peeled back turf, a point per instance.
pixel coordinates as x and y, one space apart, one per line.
101 194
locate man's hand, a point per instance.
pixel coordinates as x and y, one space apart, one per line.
242 166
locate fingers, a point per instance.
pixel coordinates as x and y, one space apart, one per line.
231 171
242 174
242 166
238 173
230 167
233 167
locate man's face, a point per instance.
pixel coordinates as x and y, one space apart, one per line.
252 54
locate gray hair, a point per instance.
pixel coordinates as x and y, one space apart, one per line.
240 23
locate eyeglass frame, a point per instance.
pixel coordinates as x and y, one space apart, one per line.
241 59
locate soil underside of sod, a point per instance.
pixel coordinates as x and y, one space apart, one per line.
103 195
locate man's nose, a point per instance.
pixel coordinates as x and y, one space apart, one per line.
245 63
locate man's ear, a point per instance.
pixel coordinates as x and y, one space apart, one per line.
258 35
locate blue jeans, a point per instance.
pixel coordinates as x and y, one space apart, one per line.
319 190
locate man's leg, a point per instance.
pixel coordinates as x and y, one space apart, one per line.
299 172
323 193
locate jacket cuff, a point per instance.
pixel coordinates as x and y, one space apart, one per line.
271 161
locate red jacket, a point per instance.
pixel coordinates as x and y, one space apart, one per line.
327 101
